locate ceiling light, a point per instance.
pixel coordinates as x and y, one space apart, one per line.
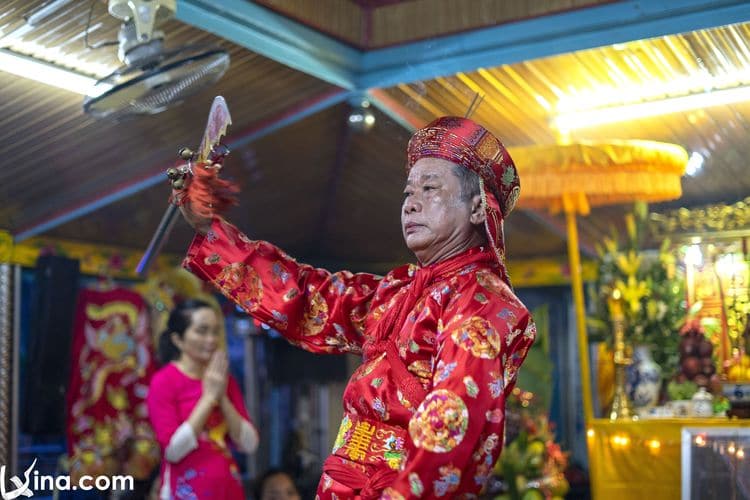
361 119
629 92
49 74
694 164
613 114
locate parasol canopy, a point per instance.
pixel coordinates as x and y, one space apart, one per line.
590 174
572 178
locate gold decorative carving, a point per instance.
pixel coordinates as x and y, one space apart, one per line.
707 219
621 407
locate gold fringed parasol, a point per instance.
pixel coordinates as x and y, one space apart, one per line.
574 177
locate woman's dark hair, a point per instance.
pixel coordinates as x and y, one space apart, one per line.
179 322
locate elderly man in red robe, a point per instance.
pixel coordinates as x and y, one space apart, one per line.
441 341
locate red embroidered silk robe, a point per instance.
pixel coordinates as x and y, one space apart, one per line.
463 341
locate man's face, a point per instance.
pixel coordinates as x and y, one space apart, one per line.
435 221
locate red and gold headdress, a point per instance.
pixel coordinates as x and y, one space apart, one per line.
464 142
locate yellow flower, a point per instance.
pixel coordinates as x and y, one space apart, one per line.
656 309
630 225
633 292
629 264
668 262
610 245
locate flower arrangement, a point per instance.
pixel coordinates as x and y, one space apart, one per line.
532 464
652 288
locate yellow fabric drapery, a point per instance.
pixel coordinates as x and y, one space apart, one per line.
574 177
594 174
641 459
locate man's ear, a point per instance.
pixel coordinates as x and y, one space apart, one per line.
477 211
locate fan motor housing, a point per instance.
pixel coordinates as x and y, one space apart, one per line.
152 79
135 51
143 13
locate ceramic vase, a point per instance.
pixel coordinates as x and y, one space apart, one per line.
644 379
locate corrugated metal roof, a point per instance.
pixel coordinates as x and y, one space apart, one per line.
55 157
299 191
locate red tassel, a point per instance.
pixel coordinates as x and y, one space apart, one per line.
207 194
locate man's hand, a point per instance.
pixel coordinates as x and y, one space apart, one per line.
200 224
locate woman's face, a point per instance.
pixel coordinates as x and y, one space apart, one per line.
279 487
202 336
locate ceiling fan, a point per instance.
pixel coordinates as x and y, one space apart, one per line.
151 79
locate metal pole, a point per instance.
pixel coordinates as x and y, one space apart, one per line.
6 364
16 375
576 281
157 240
252 397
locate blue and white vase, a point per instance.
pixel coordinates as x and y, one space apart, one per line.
644 379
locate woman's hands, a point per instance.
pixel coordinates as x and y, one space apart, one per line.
215 377
214 390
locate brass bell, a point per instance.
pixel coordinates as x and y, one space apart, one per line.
178 183
186 153
173 173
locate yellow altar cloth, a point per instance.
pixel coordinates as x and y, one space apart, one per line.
639 460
